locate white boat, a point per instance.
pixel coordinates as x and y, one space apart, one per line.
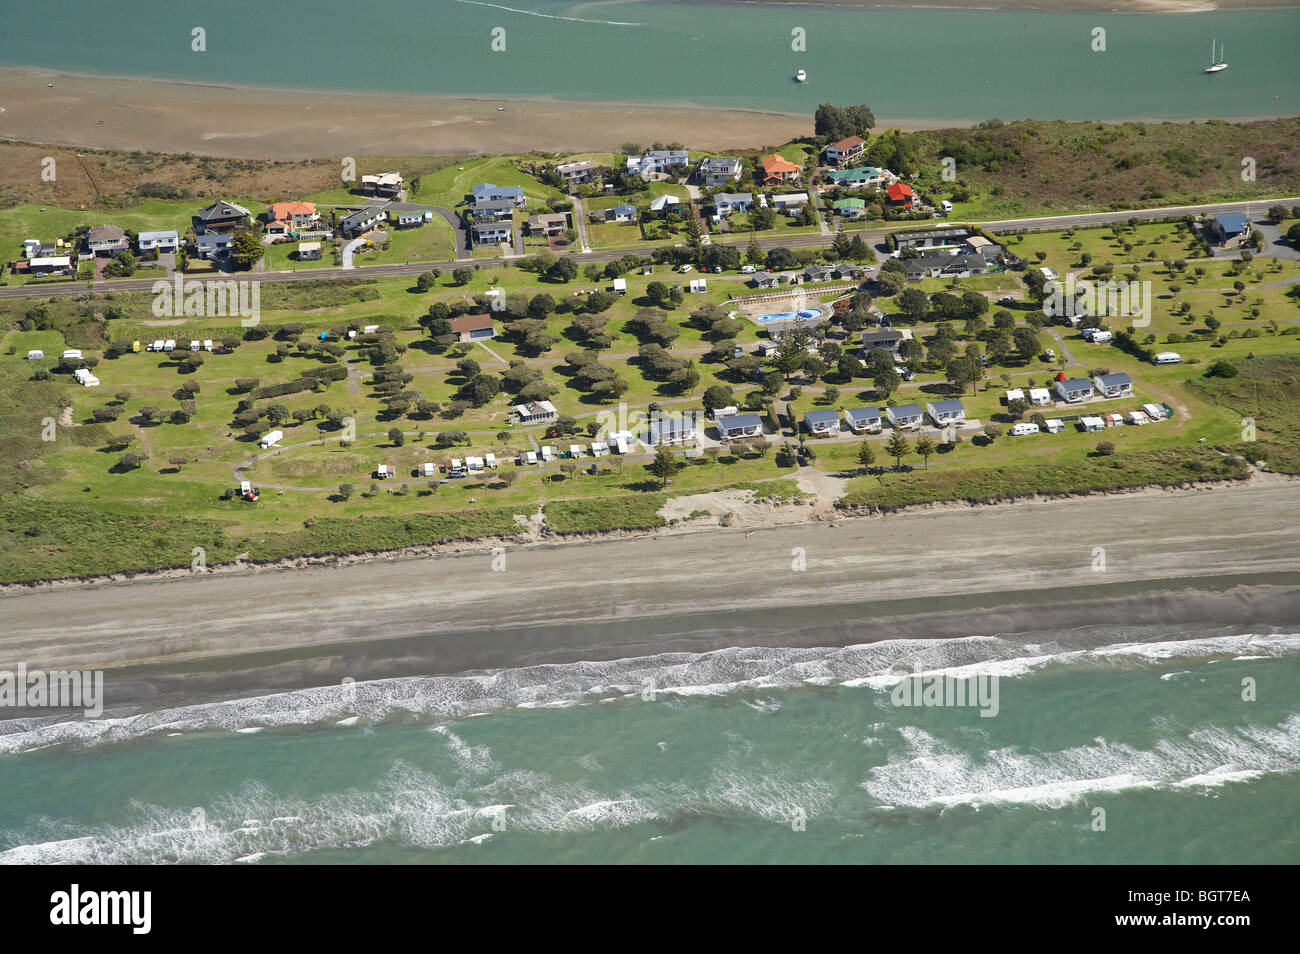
801 77
1216 65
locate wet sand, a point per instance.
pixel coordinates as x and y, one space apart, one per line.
1227 554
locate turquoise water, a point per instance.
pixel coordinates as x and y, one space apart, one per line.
585 763
938 64
788 315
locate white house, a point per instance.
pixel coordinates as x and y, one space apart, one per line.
739 426
1074 390
822 422
905 415
536 412
1114 385
1055 425
1091 424
1040 397
671 430
946 412
1015 394
863 419
309 251
164 241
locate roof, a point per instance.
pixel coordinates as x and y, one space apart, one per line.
948 407
776 165
158 236
734 198
493 205
551 218
917 235
1075 384
884 334
847 143
1110 380
822 416
673 425
285 210
905 410
850 203
1231 221
487 188
106 233
309 246
575 166
659 204
624 209
863 413
462 323
222 210
720 164
730 421
899 191
533 408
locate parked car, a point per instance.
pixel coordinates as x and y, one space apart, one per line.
747 269
1050 354
1006 300
686 267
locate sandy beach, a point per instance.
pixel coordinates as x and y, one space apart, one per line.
1226 554
246 122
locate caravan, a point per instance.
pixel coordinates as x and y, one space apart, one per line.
1023 428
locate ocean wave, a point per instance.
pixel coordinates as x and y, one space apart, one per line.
547 16
935 773
722 673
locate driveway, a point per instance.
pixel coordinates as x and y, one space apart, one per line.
1274 243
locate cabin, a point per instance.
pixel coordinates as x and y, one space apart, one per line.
410 220
535 412
1114 385
1074 390
1091 424
862 420
698 286
733 427
1229 230
822 422
887 339
671 431
1054 425
473 327
946 412
1040 397
905 416
309 251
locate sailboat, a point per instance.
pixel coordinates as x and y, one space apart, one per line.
801 77
1216 65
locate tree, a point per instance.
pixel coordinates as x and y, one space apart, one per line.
898 448
664 466
691 230
866 456
657 292
754 254
925 447
247 250
426 281
564 270
132 460
462 275
1221 369
914 303
345 490
719 395
1105 448
992 432
396 437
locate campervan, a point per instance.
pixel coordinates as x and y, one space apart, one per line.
1023 428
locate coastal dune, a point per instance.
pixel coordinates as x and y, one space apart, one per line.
1226 555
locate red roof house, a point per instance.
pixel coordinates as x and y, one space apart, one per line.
900 192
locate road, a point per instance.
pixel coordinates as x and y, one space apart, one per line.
605 255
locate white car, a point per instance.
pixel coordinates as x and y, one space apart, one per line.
747 269
688 267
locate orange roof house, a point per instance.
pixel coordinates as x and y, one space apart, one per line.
777 169
900 192
286 215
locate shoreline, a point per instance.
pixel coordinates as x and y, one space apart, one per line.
962 556
282 123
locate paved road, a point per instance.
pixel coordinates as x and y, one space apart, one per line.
609 254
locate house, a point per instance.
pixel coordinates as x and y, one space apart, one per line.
718 171
766 280
386 184
362 220
1074 390
548 225
31 248
725 203
946 412
45 265
107 240
944 265
619 213
1040 397
931 238
1229 229
860 177
491 233
739 426
664 204
576 173
165 241
845 151
220 216
212 245
487 192
863 419
492 210
900 193
905 415
822 422
886 338
473 327
778 170
847 271
658 162
818 273
409 220
850 208
285 217
536 412
790 203
671 430
1114 385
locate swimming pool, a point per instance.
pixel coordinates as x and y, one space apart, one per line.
807 314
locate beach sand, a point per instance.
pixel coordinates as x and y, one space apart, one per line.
1227 554
252 123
